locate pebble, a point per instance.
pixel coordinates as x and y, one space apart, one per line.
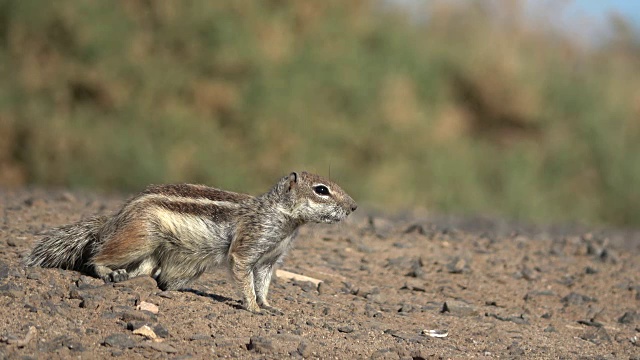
122 341
515 319
197 337
385 354
141 282
415 228
145 331
261 345
577 299
458 308
134 315
417 270
304 349
457 265
590 271
628 317
91 302
161 331
165 294
533 294
159 346
596 336
147 306
11 290
347 329
413 286
590 323
4 270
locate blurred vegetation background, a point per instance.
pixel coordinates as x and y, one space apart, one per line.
458 107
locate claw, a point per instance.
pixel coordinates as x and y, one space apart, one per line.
118 275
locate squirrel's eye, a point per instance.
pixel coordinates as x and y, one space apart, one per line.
321 190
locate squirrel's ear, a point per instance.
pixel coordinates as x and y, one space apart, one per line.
292 180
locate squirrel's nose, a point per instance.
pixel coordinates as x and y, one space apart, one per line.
354 207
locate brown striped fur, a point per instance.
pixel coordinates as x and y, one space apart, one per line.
176 232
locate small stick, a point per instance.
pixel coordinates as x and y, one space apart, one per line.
283 274
23 342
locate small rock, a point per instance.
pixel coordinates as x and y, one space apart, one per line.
91 302
145 331
261 345
346 329
146 306
11 290
515 319
160 346
66 197
415 228
34 202
304 349
133 315
306 286
577 299
567 280
33 274
197 337
31 334
122 341
457 266
326 289
74 346
413 286
596 336
458 308
549 329
590 323
628 317
515 349
385 354
161 331
406 308
367 293
4 270
590 271
165 294
417 270
527 274
141 282
532 294
365 249
11 242
88 282
402 245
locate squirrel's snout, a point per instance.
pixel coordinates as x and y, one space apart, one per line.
354 207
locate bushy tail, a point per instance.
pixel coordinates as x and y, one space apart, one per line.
69 246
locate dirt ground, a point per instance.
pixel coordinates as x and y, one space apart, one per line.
496 289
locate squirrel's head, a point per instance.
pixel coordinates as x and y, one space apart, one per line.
312 198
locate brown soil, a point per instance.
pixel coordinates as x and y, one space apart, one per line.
499 290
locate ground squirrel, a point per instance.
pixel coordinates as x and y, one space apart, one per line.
176 232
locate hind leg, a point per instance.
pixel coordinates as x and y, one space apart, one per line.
178 272
118 274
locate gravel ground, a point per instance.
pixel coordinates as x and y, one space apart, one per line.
494 288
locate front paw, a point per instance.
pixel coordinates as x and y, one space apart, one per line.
254 309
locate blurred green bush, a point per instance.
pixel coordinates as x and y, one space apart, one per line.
467 112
